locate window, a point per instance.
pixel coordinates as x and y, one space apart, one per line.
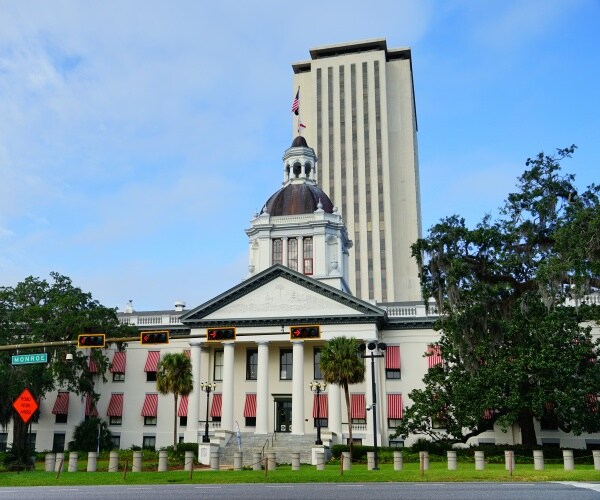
293 254
308 255
285 364
3 440
119 377
394 422
150 420
152 365
149 442
251 364
250 421
58 444
317 364
61 418
115 420
324 422
30 440
182 421
277 251
116 441
218 368
392 362
396 444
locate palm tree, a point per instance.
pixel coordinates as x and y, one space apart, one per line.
174 376
342 365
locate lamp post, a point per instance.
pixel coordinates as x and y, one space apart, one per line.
375 351
207 387
317 387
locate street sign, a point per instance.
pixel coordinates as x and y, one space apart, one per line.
29 359
25 405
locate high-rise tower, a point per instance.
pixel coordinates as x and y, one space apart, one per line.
357 102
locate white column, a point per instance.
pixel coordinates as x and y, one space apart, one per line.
335 411
284 250
300 254
298 388
191 432
262 389
227 408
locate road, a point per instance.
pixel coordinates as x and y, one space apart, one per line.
330 491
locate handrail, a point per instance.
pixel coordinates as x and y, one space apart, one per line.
262 452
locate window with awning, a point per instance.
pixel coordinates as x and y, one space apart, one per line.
358 407
152 361
434 356
150 406
61 405
115 406
183 407
394 406
93 367
392 362
249 406
118 362
215 409
90 407
320 406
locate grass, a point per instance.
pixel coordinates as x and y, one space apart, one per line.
438 472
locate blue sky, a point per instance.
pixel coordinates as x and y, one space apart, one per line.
137 138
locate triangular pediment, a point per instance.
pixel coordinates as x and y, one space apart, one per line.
277 293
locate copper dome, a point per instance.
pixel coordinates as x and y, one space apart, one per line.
296 199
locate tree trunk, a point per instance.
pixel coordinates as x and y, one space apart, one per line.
350 440
528 437
175 395
19 433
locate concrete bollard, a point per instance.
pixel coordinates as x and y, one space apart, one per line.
479 460
347 465
596 455
237 460
113 461
49 462
271 460
92 461
73 456
320 461
509 460
451 460
424 460
60 462
370 460
136 465
256 461
538 460
568 460
189 461
163 458
214 460
397 460
295 460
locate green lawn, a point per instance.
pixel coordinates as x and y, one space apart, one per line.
283 474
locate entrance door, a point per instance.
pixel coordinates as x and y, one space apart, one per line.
283 415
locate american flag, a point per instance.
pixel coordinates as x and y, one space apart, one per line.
296 103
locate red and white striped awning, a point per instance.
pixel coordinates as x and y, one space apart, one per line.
61 405
592 402
434 356
320 410
188 353
115 406
358 407
392 357
488 414
90 407
118 362
152 361
183 406
92 366
215 409
394 405
150 408
250 405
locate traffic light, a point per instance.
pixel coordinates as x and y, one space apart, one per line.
305 332
220 333
91 340
155 337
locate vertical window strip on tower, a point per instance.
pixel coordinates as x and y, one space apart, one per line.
343 192
319 117
367 158
382 260
355 183
331 159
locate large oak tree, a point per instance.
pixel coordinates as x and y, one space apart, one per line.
515 326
